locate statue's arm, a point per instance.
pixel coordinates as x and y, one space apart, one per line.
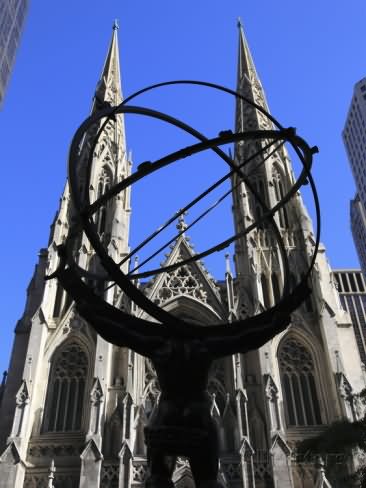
249 339
117 333
113 325
258 330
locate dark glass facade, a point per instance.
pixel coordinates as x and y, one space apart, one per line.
352 292
12 15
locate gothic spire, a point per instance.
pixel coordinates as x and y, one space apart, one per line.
109 86
246 65
249 85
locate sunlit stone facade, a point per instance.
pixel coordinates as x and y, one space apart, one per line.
74 406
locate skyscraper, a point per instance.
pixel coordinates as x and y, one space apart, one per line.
75 403
12 15
354 138
352 292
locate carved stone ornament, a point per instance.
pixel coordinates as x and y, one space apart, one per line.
22 397
96 394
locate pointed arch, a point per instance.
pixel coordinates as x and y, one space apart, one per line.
265 291
259 187
58 300
66 388
299 383
278 180
105 180
275 288
61 303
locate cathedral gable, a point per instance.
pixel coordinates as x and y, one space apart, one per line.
190 281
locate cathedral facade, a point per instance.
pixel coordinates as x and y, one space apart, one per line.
74 407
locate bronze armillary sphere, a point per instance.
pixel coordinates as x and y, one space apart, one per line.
180 351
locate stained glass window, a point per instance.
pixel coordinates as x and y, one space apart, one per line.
299 386
66 389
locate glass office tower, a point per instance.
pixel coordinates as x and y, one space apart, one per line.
12 15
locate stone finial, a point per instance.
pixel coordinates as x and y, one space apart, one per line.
135 264
181 225
115 24
239 23
227 260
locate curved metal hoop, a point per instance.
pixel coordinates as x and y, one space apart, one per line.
85 209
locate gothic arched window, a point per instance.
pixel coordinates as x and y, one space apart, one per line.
276 288
279 194
257 208
62 302
298 384
58 300
265 291
104 183
66 389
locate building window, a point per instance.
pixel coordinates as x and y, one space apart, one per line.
62 302
276 288
279 194
256 207
360 283
104 185
265 291
298 384
66 389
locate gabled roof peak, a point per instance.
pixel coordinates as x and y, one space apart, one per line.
191 280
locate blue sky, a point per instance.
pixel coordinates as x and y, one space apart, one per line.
308 56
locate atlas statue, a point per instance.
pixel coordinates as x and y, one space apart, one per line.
180 351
